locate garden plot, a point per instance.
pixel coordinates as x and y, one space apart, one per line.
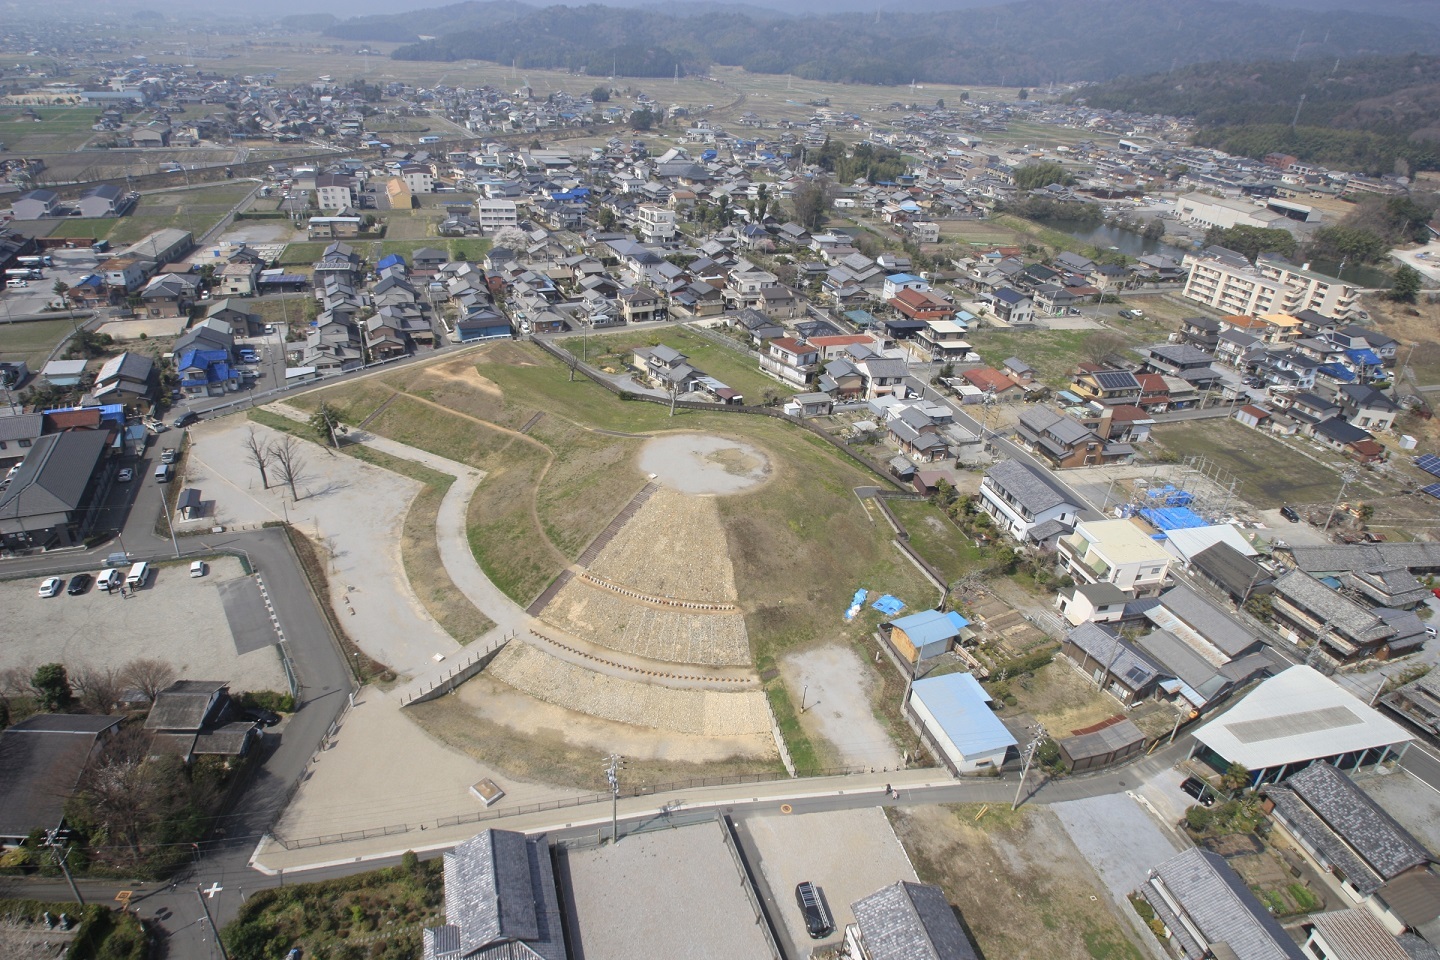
706 712
674 546
631 626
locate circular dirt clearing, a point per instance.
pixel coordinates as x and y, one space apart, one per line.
702 463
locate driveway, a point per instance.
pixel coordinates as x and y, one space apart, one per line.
1119 837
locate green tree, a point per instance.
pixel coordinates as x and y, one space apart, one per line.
1035 175
1253 241
52 686
1406 285
642 120
1024 94
1236 777
325 421
812 204
600 94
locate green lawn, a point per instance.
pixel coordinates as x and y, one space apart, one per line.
302 254
60 130
936 538
1271 471
1053 353
732 367
33 340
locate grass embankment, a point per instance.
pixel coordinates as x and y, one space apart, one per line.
800 544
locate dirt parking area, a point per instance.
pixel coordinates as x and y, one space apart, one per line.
1023 888
701 463
848 854
1119 838
835 687
175 618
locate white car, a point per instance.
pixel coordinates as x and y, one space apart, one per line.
125 475
51 586
198 568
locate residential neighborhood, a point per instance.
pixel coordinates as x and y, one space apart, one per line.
545 513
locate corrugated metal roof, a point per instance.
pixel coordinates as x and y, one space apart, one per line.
962 709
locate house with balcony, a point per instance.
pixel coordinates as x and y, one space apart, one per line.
1367 408
1065 442
656 223
640 305
1113 664
943 340
793 361
921 305
1012 307
1182 360
884 376
1025 505
1118 552
1307 611
1107 387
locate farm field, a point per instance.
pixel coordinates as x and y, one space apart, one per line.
936 538
196 209
59 130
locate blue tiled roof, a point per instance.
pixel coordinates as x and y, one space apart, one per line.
931 626
961 707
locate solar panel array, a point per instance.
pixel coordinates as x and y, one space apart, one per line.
1433 490
1120 380
1429 463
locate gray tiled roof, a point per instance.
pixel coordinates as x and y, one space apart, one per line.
1356 821
1026 485
1224 910
55 474
1343 614
1120 658
1418 555
1215 625
500 893
911 921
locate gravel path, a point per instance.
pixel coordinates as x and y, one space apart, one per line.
564 684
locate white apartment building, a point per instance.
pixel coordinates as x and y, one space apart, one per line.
1118 552
1226 212
334 192
418 179
656 223
494 214
1269 287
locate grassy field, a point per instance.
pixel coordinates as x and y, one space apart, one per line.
302 254
33 340
196 210
936 538
60 129
1053 353
1019 881
735 369
1272 472
800 543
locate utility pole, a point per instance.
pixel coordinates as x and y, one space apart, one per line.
612 774
57 846
1346 478
1031 749
199 895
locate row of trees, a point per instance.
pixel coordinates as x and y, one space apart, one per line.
52 687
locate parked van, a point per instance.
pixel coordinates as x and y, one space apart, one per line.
163 472
16 284
108 580
138 575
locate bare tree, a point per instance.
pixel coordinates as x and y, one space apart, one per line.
258 455
97 688
15 683
1098 346
672 389
148 676
572 362
289 464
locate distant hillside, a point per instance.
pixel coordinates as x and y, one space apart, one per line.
1365 113
1028 43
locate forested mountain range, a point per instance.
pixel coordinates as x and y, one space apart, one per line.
1366 113
1027 43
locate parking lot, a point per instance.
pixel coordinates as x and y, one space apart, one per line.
175 618
70 266
847 854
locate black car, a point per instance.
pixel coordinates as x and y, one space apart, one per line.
817 915
79 584
1290 513
261 716
1200 790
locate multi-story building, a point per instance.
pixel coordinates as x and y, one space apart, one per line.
1118 552
492 214
656 223
792 360
1024 504
334 191
1228 283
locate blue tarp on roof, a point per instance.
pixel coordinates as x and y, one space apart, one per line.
1173 518
392 260
961 709
1335 372
1367 357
